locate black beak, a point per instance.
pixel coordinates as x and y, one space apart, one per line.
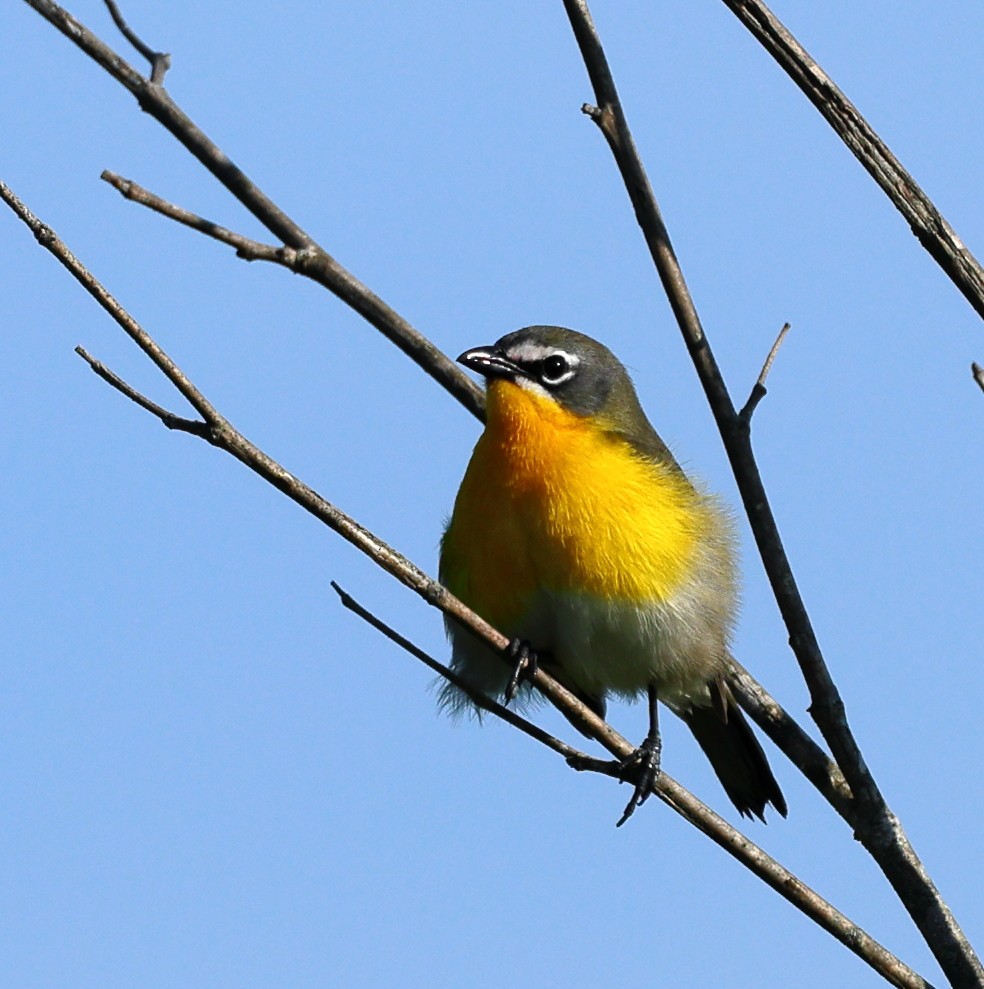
491 364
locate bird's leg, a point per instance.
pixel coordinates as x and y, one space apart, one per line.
643 764
524 656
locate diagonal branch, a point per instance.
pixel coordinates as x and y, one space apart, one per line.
219 432
926 221
312 259
49 240
826 707
684 803
874 823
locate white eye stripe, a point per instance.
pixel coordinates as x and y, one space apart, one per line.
531 353
552 366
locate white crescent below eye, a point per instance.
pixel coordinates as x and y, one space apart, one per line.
558 367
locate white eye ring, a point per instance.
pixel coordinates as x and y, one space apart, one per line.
557 368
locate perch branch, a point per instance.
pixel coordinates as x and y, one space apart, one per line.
693 810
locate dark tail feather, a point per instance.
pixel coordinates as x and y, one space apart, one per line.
737 758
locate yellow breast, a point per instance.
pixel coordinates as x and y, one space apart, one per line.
550 501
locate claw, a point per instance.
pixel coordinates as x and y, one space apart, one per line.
643 764
524 656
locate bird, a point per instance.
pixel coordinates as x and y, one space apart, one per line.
577 534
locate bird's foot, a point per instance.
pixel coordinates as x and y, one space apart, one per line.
642 766
524 656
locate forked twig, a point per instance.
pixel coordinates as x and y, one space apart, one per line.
160 62
311 260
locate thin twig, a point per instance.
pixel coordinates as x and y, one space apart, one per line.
479 699
160 62
926 221
312 260
170 419
245 246
875 825
48 239
758 389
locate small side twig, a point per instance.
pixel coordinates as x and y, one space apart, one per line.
479 699
245 247
194 426
48 239
758 389
978 372
160 62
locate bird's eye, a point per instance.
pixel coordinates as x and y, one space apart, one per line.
555 369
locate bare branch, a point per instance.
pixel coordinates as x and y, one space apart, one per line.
758 389
172 421
312 259
874 823
160 62
978 372
245 246
927 223
695 812
49 240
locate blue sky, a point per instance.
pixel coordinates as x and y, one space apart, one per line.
213 775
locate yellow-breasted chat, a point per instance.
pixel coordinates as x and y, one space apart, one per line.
576 533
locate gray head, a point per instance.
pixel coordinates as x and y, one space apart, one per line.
577 372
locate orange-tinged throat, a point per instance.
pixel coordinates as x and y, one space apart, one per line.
571 506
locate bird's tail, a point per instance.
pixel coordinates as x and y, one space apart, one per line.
736 757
